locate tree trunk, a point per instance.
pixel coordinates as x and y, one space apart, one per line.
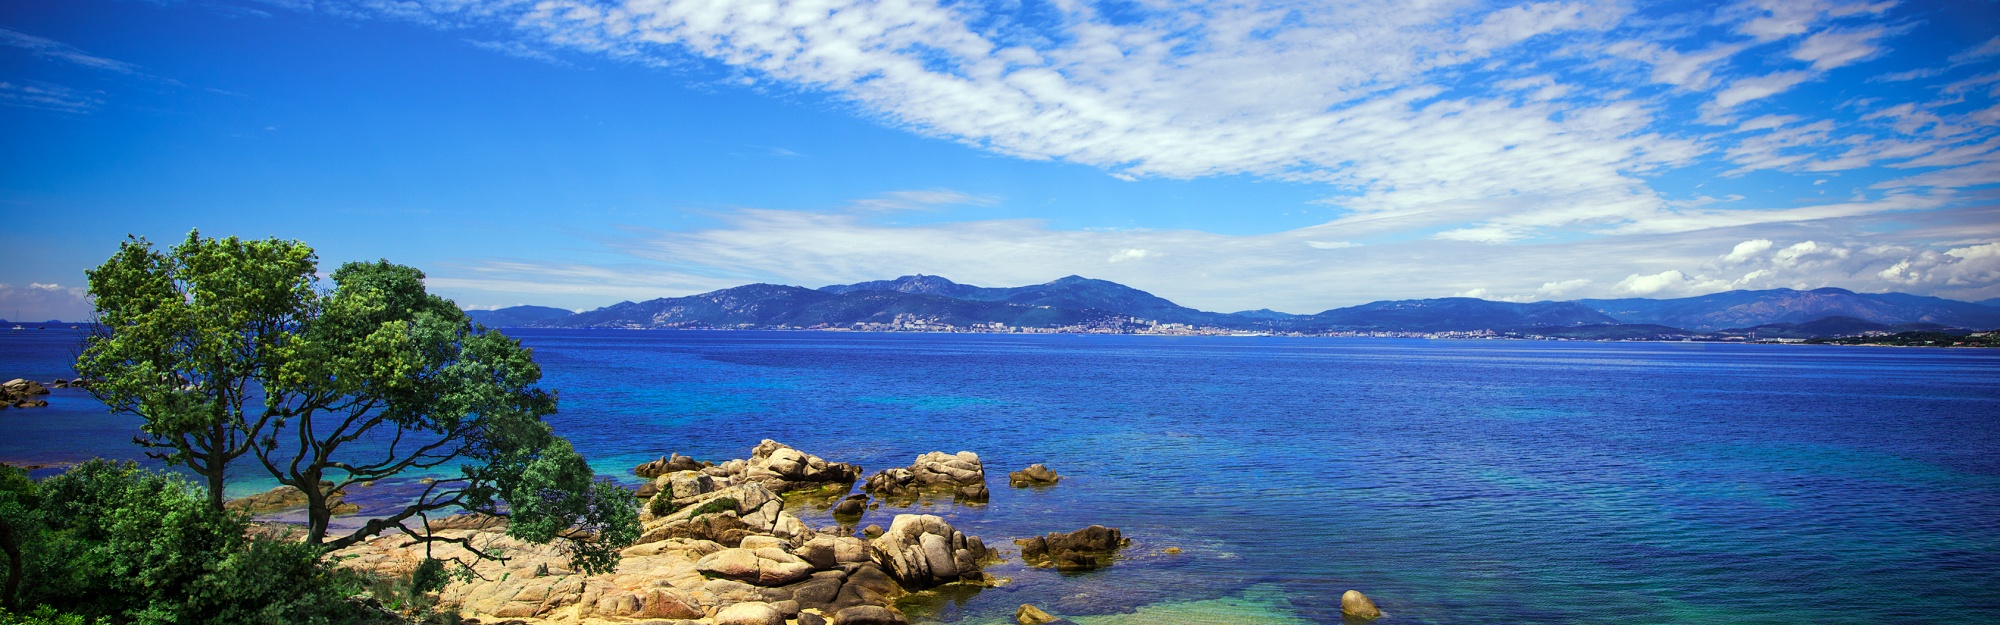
218 464
317 513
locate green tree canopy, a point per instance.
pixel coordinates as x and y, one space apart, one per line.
228 347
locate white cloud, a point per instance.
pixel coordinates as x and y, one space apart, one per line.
1747 249
1833 48
42 302
1128 254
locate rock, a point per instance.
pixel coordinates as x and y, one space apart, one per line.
23 388
932 471
766 566
1080 550
749 613
1034 475
59 384
872 531
921 551
780 468
667 465
1031 615
286 497
853 506
809 618
869 615
1353 604
972 493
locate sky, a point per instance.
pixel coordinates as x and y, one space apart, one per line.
1298 156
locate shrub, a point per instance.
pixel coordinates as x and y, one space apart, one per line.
113 541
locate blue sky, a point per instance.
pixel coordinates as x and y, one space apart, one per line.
1297 156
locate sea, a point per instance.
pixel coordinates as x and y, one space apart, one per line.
1453 481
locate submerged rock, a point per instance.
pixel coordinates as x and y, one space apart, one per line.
1030 615
1353 604
1035 475
1081 550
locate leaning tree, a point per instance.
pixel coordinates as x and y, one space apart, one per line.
230 348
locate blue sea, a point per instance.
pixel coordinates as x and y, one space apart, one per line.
1452 481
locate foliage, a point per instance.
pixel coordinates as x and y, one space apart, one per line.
184 337
44 615
113 541
719 504
661 505
223 341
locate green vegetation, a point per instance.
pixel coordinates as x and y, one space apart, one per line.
719 504
1917 339
108 541
228 347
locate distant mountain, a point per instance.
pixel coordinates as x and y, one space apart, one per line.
1075 300
1744 309
1072 292
1828 327
919 284
1450 314
769 305
1995 302
517 316
1263 313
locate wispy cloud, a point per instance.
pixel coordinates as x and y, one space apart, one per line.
920 200
46 96
52 49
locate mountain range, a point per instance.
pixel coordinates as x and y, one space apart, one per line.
1078 302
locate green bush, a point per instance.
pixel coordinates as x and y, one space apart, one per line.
108 540
719 504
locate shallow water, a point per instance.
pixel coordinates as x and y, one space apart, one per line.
1453 481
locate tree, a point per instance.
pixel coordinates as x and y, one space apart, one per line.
372 379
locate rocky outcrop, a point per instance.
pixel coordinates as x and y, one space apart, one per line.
922 551
962 474
285 498
717 546
1355 605
20 393
781 468
1082 550
1035 475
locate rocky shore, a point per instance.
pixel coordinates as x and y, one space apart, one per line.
720 548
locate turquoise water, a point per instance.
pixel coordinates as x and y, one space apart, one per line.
1453 481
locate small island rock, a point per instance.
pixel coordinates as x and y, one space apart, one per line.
1353 604
1035 475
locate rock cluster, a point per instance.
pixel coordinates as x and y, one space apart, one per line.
667 465
1035 475
777 466
961 473
1081 550
19 393
717 547
922 551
